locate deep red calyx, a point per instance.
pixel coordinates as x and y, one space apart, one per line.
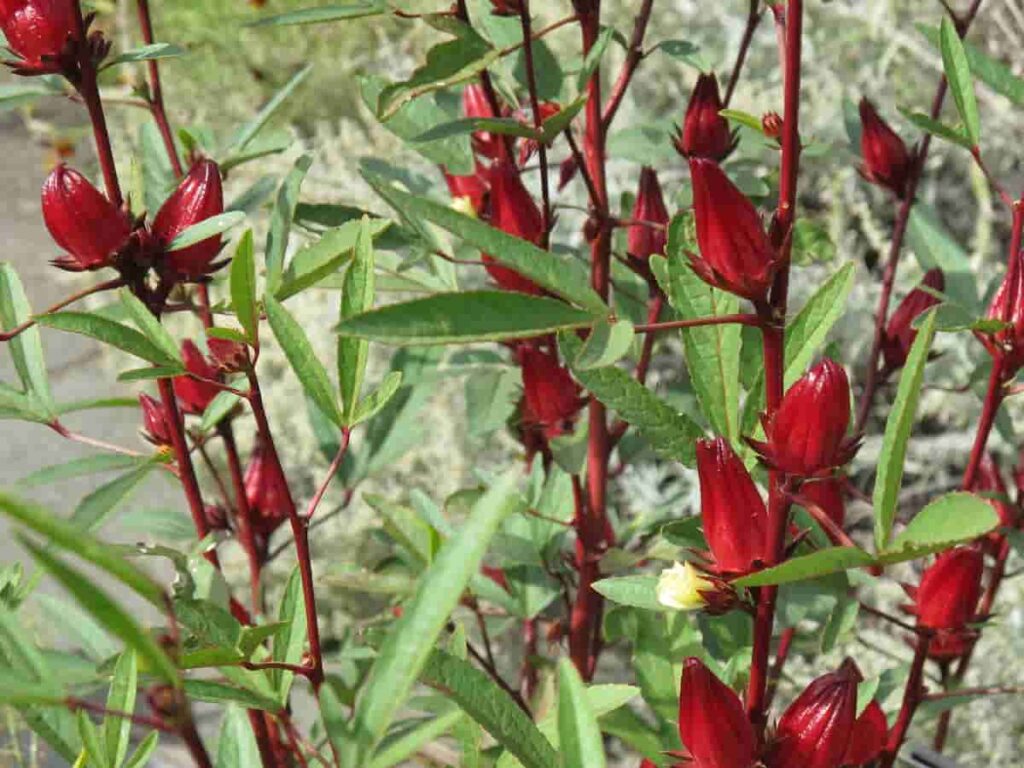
81 220
154 421
900 333
513 211
472 188
815 731
713 725
868 737
267 493
807 434
198 197
646 240
229 356
476 104
1007 345
990 481
947 596
551 399
37 31
827 494
194 395
886 160
735 254
732 511
705 133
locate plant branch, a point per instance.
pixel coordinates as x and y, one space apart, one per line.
740 319
155 98
753 20
634 55
98 288
912 696
538 123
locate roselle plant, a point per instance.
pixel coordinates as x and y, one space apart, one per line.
496 609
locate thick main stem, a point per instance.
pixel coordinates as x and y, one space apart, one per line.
911 698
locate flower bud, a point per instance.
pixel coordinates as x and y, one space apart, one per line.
468 192
827 494
887 161
81 220
37 31
900 333
154 421
705 133
772 125
867 740
947 596
1007 345
735 254
267 493
990 481
476 104
731 508
514 211
682 588
646 240
216 517
713 725
198 197
193 395
815 731
807 434
551 399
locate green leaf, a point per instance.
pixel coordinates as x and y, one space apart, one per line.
936 128
108 613
414 739
243 287
73 539
447 318
236 744
412 638
150 52
564 277
897 433
87 465
958 73
96 507
465 126
753 122
91 740
19 691
140 757
290 640
946 521
150 326
481 698
218 409
354 9
110 332
638 591
325 257
281 221
607 344
377 400
248 132
671 433
219 693
580 744
712 353
303 360
121 698
804 335
447 64
18 651
934 246
334 716
356 298
205 229
26 348
804 567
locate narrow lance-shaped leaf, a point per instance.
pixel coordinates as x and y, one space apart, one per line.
26 348
243 286
414 635
205 229
579 734
353 9
958 73
149 325
249 130
281 221
897 433
112 333
121 698
357 297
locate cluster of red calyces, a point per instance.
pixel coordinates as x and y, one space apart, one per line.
820 729
94 233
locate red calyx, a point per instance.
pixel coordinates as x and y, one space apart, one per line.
154 420
887 161
827 494
82 221
39 32
735 253
267 493
705 133
868 737
198 197
806 436
946 598
900 333
1007 345
476 104
815 731
514 211
713 725
551 399
193 395
645 240
733 513
473 188
229 356
528 147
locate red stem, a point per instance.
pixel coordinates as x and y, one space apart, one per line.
634 55
190 736
156 98
654 308
100 287
753 20
157 723
740 319
911 698
531 80
781 656
244 515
